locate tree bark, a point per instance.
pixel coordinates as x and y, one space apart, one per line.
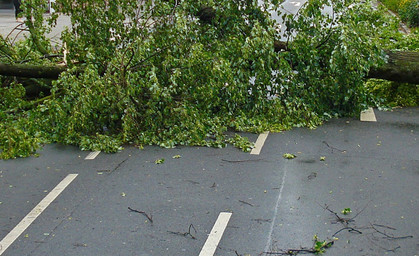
31 71
400 67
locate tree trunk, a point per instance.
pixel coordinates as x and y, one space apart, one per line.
31 71
401 67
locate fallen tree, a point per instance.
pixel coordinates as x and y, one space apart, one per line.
168 78
401 67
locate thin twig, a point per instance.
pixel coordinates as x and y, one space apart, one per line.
389 236
149 217
351 230
192 182
138 65
356 215
186 233
244 202
262 220
394 249
384 226
304 250
344 221
333 148
241 161
383 248
291 252
330 29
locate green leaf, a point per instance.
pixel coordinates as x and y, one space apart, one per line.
159 161
346 211
289 156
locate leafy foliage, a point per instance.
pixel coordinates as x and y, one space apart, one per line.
392 4
407 9
332 53
320 246
409 12
184 73
389 94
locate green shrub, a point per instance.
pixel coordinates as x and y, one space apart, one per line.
391 4
409 12
392 94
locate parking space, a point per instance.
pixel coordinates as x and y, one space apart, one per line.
24 182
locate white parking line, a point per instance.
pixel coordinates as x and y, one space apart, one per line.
92 155
259 143
368 115
27 221
216 233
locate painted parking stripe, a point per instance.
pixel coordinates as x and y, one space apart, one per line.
92 155
216 233
259 143
368 115
27 221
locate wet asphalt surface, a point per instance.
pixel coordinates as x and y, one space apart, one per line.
276 204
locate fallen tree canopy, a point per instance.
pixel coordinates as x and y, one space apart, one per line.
402 67
160 75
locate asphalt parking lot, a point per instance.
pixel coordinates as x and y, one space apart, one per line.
238 203
206 201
